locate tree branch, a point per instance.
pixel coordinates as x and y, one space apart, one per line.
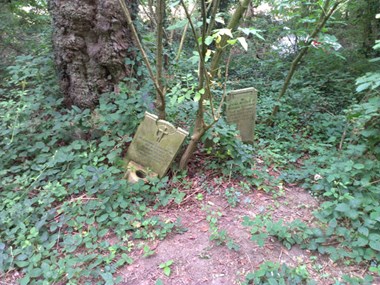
140 47
295 62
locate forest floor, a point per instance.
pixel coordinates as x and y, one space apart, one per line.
196 259
199 260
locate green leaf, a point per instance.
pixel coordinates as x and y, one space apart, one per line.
22 263
361 242
374 59
76 145
209 40
232 42
72 242
22 257
128 259
375 244
107 276
364 231
359 166
197 96
169 262
371 80
90 221
226 32
243 43
375 216
102 218
112 155
35 272
102 232
377 42
252 31
25 280
272 281
343 207
159 282
352 214
179 197
167 271
374 237
333 223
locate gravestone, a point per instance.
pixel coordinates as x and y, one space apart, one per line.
241 110
155 145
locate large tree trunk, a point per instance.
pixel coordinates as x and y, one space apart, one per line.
91 40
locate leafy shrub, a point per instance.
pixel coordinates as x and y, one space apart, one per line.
230 153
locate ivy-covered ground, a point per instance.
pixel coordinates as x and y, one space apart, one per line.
216 240
211 229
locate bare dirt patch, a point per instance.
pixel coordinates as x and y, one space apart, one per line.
198 260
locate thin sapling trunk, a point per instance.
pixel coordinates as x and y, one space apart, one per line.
160 94
323 20
200 127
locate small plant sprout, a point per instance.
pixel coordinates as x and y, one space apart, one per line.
166 267
148 251
199 197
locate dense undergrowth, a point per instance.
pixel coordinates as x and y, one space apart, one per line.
327 140
67 214
62 187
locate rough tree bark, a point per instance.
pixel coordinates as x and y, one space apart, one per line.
91 40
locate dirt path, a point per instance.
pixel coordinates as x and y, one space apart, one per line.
197 260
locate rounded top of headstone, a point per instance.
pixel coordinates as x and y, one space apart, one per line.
244 90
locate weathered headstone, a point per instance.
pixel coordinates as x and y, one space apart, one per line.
155 145
241 110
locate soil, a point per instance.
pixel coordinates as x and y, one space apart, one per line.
198 260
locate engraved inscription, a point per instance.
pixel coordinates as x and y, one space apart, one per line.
153 151
241 110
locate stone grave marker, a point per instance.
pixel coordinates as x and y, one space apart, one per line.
155 145
241 110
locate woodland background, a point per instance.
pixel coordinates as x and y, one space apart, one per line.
75 81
